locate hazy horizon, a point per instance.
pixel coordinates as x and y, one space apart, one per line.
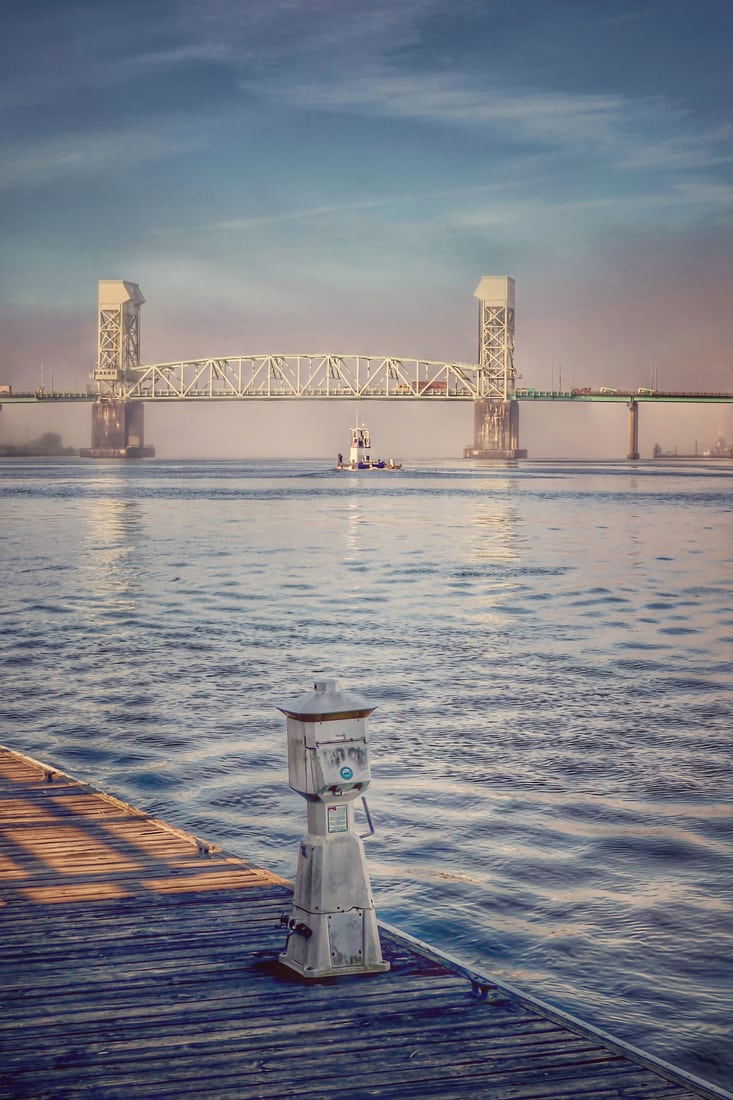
435 430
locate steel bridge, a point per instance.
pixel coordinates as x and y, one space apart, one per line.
120 376
123 385
302 376
333 377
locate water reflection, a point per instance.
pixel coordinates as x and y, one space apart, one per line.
112 559
497 526
354 529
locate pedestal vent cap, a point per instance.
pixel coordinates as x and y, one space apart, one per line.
326 703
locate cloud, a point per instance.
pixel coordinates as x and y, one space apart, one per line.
686 201
329 210
331 35
629 132
84 153
367 62
179 55
692 150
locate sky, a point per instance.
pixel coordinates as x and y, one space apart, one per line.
286 176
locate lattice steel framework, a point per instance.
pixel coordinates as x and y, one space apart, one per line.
496 336
119 373
118 345
300 376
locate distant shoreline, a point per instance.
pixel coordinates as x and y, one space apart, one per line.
48 445
7 450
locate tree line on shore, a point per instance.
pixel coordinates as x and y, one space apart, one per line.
49 445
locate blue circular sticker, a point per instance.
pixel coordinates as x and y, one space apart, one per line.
346 773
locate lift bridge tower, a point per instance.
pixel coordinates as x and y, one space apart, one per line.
496 416
117 425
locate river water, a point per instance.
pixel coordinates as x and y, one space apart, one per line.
550 646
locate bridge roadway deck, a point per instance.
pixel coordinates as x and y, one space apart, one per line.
138 961
421 392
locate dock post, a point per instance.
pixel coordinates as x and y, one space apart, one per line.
332 927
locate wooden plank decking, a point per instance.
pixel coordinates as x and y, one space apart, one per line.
137 961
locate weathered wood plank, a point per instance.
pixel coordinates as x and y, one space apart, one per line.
139 961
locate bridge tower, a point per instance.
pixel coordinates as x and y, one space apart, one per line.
117 425
496 415
118 342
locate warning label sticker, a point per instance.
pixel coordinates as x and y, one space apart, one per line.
338 821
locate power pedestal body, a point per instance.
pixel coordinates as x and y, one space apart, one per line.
332 927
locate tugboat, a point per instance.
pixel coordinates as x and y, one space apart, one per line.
360 454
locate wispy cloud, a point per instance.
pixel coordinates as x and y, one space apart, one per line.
440 99
179 55
329 210
308 32
499 209
629 132
695 150
82 154
685 200
350 59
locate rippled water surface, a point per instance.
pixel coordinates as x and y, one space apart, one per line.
551 649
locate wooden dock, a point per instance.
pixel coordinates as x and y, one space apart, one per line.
139 961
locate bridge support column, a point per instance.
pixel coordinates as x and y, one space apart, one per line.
633 451
118 430
495 430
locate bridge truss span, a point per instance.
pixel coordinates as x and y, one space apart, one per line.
299 376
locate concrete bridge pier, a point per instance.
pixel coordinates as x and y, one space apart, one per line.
633 451
495 430
118 430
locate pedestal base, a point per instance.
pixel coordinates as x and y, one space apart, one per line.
332 926
324 945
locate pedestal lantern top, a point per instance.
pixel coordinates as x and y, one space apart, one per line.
326 703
